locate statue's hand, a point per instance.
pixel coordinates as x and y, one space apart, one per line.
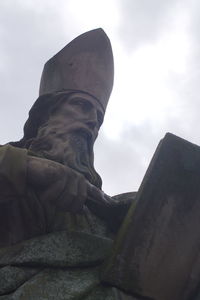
112 209
57 184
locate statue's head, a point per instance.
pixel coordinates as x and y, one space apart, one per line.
75 87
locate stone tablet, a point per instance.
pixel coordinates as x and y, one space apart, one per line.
157 252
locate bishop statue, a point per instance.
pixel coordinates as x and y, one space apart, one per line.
56 224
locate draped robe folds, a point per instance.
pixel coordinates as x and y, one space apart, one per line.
51 255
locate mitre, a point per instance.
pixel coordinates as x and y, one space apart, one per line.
85 64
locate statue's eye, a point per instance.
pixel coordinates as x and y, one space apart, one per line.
79 102
83 104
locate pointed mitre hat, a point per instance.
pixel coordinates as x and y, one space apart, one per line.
85 64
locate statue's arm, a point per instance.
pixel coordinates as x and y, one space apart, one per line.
13 168
32 189
56 185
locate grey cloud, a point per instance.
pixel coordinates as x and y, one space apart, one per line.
27 39
143 21
122 163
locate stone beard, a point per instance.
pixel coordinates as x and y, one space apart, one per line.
73 149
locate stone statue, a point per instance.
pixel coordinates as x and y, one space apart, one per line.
56 224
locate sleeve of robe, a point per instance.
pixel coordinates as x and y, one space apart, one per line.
21 213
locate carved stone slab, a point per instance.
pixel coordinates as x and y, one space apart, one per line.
157 252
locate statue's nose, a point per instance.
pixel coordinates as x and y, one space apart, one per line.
92 119
91 124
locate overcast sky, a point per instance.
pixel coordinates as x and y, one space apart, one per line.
156 46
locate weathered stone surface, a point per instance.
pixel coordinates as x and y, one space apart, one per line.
85 64
66 284
197 297
12 277
108 293
157 251
58 249
99 293
53 284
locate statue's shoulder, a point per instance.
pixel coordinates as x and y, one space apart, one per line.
10 151
9 145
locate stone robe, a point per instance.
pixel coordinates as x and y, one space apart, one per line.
52 255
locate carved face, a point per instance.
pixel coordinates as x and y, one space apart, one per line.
80 113
69 134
